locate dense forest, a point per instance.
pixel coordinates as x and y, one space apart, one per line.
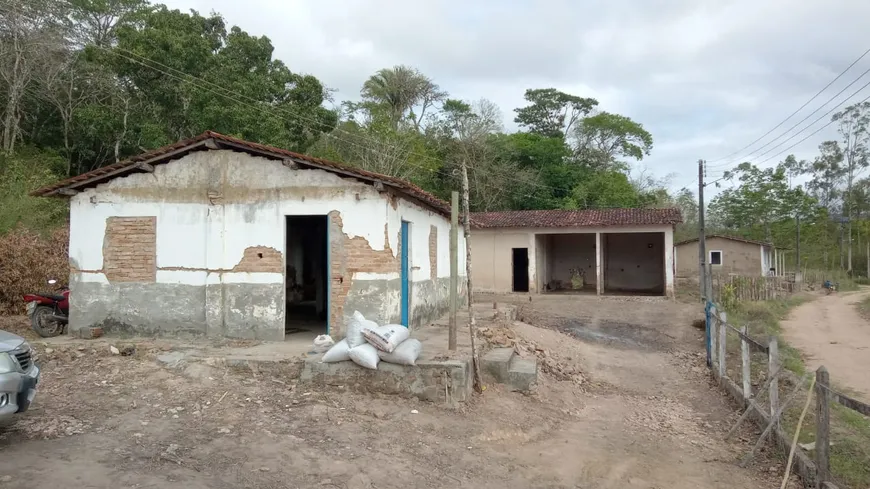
87 83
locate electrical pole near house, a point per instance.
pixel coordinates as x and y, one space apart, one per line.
702 243
454 268
466 226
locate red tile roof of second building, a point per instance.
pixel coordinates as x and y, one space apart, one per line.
170 152
575 218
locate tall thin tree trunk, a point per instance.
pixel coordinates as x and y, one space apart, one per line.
466 226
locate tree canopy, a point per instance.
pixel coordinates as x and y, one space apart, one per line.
91 82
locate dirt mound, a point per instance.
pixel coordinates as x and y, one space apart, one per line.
550 363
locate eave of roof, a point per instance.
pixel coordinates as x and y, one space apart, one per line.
210 140
576 218
731 238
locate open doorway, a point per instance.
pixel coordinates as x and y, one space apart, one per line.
521 269
306 273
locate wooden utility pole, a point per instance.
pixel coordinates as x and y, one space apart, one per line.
466 226
702 244
454 268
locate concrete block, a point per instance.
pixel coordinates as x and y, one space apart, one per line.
447 381
523 373
496 363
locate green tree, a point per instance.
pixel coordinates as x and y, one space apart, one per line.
604 140
552 113
399 90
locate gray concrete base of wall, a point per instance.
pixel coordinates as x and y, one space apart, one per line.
441 381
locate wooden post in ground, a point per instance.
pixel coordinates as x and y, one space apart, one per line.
773 372
472 326
823 426
723 338
714 336
746 363
454 269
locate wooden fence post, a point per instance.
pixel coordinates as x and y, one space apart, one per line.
714 336
823 426
747 367
723 331
773 373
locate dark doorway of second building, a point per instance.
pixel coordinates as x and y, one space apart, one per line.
306 277
521 269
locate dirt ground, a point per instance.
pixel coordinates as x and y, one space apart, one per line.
830 331
625 402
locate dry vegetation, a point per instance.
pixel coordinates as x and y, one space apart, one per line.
27 261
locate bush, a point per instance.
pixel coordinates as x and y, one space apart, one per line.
27 261
24 172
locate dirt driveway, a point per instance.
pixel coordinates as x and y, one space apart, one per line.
829 331
643 416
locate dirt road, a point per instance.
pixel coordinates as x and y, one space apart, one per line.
644 416
829 331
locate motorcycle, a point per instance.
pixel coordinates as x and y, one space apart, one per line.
49 313
830 287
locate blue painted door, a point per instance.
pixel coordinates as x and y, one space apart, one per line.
406 279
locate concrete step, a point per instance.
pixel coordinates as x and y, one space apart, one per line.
505 367
522 374
496 363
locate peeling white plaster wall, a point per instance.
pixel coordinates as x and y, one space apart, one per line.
201 238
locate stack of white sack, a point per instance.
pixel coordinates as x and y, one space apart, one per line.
367 344
352 339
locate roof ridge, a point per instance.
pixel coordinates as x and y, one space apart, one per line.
169 152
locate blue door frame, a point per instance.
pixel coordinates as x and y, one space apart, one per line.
406 282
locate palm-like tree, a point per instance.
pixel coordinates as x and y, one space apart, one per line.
399 89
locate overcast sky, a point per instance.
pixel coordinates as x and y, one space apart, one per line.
705 77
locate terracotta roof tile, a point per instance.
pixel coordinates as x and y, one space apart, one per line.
725 236
575 218
201 142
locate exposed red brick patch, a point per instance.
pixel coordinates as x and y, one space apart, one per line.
348 256
130 249
260 259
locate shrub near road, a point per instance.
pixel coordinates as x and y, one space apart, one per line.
27 261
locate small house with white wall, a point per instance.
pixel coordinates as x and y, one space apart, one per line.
223 237
600 251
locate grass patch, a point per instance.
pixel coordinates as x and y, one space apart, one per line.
864 307
850 431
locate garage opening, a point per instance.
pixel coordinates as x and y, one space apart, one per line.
305 277
521 269
569 265
634 263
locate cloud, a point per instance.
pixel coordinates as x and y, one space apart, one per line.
705 77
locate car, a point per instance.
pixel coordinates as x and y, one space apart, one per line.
19 375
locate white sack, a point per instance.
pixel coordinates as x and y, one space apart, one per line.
365 356
386 338
355 327
322 343
405 354
338 353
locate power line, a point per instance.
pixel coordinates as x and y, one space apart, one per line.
810 135
856 92
796 111
752 155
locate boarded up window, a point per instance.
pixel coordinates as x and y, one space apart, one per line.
130 249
